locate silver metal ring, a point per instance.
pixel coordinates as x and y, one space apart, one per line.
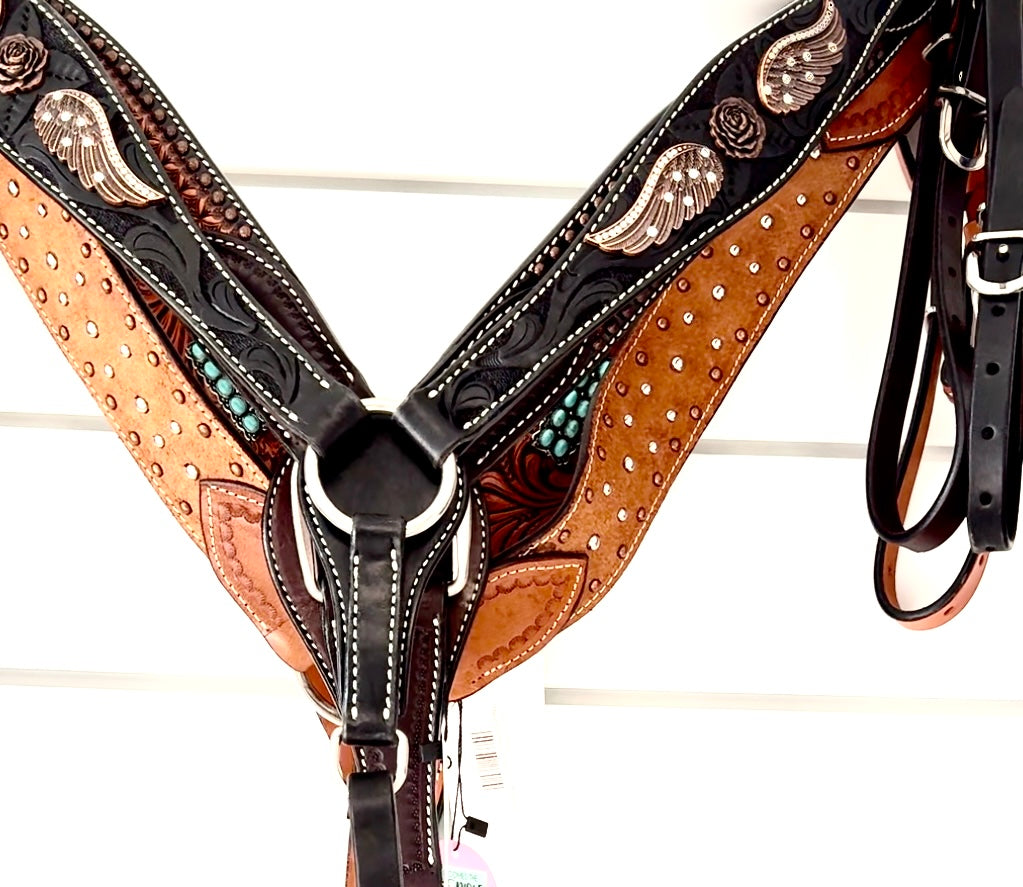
414 526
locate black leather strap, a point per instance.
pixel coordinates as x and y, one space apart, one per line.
370 702
374 830
995 456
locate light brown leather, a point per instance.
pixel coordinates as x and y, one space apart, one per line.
185 451
523 606
680 362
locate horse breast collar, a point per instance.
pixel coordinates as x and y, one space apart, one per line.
402 555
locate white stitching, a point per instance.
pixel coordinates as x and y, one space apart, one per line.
283 586
395 576
478 584
430 767
670 259
353 638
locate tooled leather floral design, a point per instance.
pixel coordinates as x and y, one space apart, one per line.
737 128
523 495
23 62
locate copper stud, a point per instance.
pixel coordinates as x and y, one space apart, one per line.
88 369
829 198
153 358
111 402
806 231
623 552
594 584
563 535
641 514
588 494
23 265
682 285
63 333
695 413
853 162
204 430
186 508
601 454
675 444
107 286
707 252
784 264
41 296
157 469
663 323
129 321
86 250
179 396
236 469
763 299
621 388
608 420
641 358
134 438
716 374
741 335
658 479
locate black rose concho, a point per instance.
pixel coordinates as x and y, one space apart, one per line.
737 128
22 63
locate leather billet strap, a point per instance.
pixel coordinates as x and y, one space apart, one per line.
995 435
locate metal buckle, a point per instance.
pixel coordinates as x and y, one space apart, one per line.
948 148
980 284
419 524
331 716
934 44
461 548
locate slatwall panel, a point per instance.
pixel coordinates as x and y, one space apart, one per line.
736 712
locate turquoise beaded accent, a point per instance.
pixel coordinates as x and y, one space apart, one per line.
237 406
560 434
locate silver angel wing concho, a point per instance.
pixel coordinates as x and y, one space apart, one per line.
682 183
795 68
73 126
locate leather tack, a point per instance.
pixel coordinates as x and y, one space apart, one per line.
522 609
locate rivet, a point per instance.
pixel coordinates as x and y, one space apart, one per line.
641 358
628 420
125 351
4 233
716 374
766 222
621 388
23 231
608 420
853 162
829 198
153 358
623 551
106 285
192 472
1003 249
688 317
641 514
652 446
23 265
141 405
658 479
134 438
588 494
108 371
675 444
13 189
563 535
178 395
671 415
88 369
801 200
601 454
65 215
80 279
594 542
607 489
594 584
63 333
204 430
741 335
236 469
86 250
784 264
806 231
707 252
815 153
41 209
695 413
646 388
754 267
734 249
63 299
663 323
763 299
157 469
682 285
185 508
623 515
715 344
158 441
41 296
111 402
129 321
629 464
718 292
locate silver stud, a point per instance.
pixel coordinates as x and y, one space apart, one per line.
99 177
594 542
607 489
688 317
1003 249
125 351
754 267
51 261
91 329
688 200
801 200
158 441
653 446
141 405
41 210
766 221
192 472
718 292
628 420
13 189
671 415
80 279
734 249
23 231
109 371
715 344
175 428
645 388
622 514
815 154
651 231
628 464
677 364
63 299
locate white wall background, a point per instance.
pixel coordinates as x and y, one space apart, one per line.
741 714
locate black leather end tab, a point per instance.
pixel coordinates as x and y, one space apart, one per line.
476 827
374 830
371 696
430 752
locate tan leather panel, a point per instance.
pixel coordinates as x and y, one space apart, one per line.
181 446
232 516
172 435
879 114
523 607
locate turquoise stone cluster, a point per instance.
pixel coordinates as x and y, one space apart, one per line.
561 433
238 407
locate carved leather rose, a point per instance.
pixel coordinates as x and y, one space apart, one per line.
22 63
737 128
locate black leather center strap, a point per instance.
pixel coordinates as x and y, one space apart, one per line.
994 488
370 700
374 830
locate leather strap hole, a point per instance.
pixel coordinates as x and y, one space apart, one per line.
987 432
997 310
953 272
948 612
992 369
985 499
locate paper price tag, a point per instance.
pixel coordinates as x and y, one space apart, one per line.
464 867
